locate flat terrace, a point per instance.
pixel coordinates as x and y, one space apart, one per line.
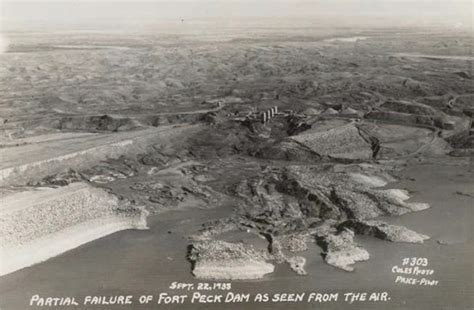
34 158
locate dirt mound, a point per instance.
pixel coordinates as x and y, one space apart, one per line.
96 123
350 112
175 118
311 111
343 142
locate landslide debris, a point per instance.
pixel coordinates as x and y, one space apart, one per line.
384 231
341 251
219 260
329 204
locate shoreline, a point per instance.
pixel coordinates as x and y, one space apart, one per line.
161 259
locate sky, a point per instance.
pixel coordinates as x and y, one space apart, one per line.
88 12
154 15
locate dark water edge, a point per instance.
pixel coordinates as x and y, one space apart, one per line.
147 262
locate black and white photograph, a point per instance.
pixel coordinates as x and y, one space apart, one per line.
236 154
